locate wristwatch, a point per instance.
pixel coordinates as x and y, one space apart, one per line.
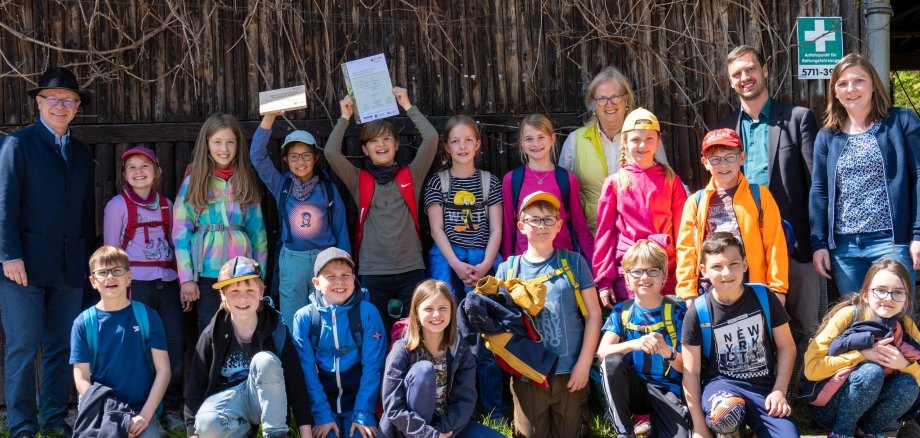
673 354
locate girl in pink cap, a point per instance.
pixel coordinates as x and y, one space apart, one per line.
138 220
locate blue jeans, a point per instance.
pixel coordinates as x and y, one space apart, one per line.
855 253
439 269
421 398
867 400
295 282
755 414
35 317
491 385
164 298
261 399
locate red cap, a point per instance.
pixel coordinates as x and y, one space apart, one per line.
140 150
721 137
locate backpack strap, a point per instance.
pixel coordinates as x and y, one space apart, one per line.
329 191
366 186
131 226
855 315
282 209
668 317
279 336
91 327
517 181
625 314
703 316
355 325
755 192
316 325
143 321
565 189
763 297
444 176
485 179
567 270
407 188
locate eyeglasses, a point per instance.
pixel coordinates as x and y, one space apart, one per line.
103 274
729 158
343 277
535 221
895 295
618 98
54 101
637 273
306 156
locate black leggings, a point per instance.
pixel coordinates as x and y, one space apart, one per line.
382 288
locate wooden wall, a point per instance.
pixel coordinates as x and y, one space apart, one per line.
174 61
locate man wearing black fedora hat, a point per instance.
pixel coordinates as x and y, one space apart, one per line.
46 229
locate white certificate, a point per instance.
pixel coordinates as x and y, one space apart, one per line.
369 85
283 99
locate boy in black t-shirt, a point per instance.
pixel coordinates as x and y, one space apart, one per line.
738 365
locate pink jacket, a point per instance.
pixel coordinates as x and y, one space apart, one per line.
650 206
563 240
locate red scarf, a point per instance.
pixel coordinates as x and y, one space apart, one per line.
224 174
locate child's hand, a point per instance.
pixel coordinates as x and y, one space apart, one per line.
889 355
464 271
322 430
366 431
479 271
402 97
702 433
653 343
137 426
445 435
269 118
189 294
579 377
776 405
607 298
347 106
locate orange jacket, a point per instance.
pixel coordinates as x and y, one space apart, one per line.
767 258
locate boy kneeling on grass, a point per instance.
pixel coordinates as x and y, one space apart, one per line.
737 349
120 344
245 370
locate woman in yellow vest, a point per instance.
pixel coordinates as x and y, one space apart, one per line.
592 151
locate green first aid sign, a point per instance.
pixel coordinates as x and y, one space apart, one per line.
820 46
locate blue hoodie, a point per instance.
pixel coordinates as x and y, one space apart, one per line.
352 378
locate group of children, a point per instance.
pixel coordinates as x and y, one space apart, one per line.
717 362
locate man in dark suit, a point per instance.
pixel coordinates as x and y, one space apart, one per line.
778 139
46 227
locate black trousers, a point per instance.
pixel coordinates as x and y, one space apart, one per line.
163 296
627 394
383 288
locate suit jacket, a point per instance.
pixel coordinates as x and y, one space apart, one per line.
791 136
46 206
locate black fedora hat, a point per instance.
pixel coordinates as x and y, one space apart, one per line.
59 77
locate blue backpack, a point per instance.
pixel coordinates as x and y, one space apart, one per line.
755 192
703 307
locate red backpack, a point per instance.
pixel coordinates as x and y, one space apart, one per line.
133 225
366 186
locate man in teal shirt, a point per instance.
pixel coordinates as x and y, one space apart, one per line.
778 139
